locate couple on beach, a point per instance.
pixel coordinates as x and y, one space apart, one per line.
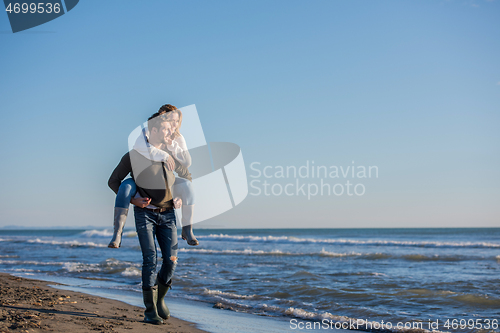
155 191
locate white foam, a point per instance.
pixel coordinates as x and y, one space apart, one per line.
97 233
303 314
70 243
106 233
23 270
110 264
131 271
246 238
29 262
323 252
348 241
80 267
226 294
244 252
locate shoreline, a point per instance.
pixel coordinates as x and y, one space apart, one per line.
188 316
31 305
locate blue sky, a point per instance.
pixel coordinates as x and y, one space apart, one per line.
412 87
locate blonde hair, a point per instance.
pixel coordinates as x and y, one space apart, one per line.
170 114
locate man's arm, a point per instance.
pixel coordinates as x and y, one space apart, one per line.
182 171
121 171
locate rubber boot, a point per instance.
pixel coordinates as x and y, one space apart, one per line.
187 225
151 313
160 303
119 223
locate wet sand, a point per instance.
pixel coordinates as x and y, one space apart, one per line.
32 306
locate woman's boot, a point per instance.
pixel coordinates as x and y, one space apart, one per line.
160 303
118 224
151 313
187 225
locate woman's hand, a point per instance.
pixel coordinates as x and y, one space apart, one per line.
140 202
177 203
170 163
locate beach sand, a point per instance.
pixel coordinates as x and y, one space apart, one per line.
32 306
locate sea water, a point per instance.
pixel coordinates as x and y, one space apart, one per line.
390 275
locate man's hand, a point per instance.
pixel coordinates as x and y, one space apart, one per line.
140 202
177 203
170 163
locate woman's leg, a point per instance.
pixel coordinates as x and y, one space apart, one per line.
125 193
183 188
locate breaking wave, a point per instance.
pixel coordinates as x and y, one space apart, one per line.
290 239
106 233
72 243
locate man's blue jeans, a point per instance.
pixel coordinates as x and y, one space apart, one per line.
162 225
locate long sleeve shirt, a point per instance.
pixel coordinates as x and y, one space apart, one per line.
153 179
178 149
